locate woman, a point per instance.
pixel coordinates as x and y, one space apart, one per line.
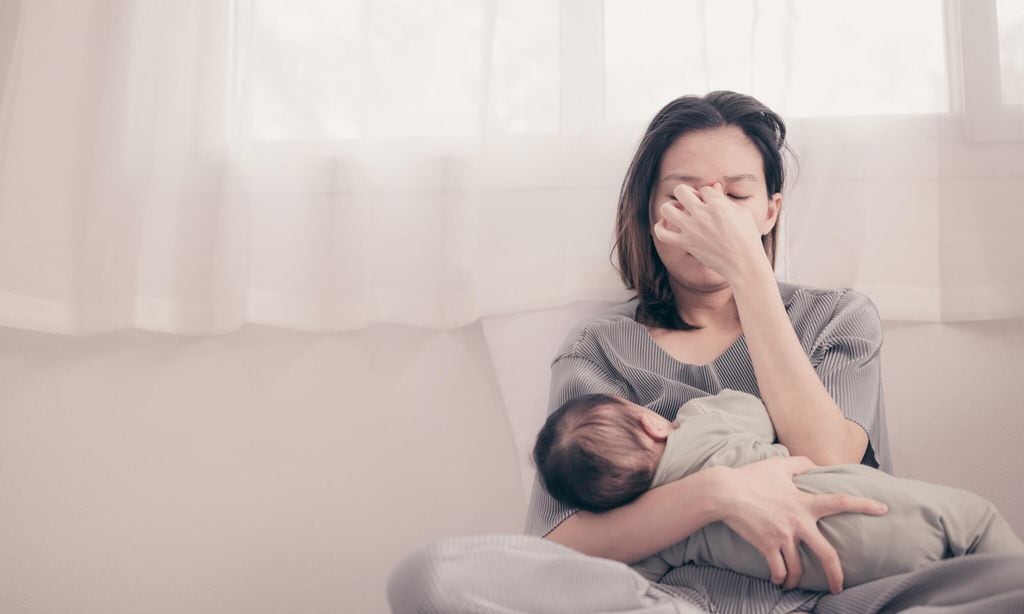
696 229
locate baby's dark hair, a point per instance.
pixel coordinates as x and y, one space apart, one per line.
590 454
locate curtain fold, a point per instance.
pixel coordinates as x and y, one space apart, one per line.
188 167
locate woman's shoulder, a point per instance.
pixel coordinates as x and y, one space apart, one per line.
794 289
816 310
607 325
809 300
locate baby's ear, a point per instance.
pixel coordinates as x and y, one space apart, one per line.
654 430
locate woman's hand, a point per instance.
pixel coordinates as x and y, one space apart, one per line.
719 233
760 502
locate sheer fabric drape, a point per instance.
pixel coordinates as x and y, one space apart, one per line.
192 166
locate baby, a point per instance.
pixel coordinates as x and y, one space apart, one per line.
600 451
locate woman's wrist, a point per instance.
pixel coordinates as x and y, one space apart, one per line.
751 272
718 487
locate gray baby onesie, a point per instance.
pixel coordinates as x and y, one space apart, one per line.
925 522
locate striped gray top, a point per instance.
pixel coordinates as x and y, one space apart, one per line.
839 330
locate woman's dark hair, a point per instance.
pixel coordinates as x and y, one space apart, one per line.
590 454
638 263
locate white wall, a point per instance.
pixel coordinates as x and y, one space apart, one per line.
261 471
955 402
276 471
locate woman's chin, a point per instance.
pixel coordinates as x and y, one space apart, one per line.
700 275
685 266
698 267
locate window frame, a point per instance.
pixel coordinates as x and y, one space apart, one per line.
975 73
974 78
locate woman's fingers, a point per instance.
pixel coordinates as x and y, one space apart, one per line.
665 231
794 567
687 195
710 191
827 505
660 232
776 565
799 464
828 557
761 503
672 219
673 212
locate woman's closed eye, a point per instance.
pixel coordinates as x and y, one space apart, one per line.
672 197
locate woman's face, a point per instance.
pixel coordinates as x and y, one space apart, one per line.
723 155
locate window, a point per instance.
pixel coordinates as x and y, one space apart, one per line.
800 57
1011 49
352 69
989 60
439 68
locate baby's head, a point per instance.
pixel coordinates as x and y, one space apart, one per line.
599 451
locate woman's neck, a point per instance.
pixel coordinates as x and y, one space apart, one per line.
709 307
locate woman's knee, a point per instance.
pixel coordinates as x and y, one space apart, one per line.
417 582
437 577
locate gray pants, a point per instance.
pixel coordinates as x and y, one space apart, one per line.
523 574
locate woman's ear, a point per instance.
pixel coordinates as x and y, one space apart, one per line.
771 214
654 430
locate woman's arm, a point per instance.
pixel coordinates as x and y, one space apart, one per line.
725 237
658 519
627 533
759 501
806 418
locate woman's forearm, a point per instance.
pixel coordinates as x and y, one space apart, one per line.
806 418
661 517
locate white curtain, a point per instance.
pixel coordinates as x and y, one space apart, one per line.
189 166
